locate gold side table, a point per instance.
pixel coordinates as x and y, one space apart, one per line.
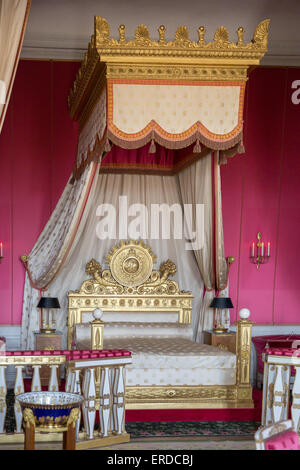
226 340
50 341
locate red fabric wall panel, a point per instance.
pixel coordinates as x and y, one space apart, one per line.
286 292
263 184
6 185
37 151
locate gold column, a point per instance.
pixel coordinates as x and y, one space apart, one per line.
97 334
243 351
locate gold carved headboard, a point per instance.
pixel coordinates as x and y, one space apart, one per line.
129 285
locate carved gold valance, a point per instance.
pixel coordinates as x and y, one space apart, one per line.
175 93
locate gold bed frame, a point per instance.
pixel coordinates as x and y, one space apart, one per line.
131 285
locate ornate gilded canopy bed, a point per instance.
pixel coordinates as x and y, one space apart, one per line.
156 121
152 318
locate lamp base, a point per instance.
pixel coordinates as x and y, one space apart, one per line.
220 329
48 330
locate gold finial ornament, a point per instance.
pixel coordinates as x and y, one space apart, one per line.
122 30
162 32
240 33
201 33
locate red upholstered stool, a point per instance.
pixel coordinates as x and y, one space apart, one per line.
278 436
288 440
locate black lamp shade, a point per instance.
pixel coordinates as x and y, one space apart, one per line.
221 302
48 302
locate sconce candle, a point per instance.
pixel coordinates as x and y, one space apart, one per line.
260 257
1 251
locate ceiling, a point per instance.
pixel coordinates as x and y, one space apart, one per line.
61 29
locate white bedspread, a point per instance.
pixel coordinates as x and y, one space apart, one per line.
166 360
175 361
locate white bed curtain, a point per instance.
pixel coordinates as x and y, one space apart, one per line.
54 247
196 188
13 20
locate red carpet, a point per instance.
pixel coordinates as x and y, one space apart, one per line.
233 414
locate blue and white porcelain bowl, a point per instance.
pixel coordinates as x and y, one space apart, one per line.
51 410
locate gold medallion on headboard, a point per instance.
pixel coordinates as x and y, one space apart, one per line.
131 263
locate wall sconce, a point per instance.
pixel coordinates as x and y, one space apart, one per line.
1 252
261 254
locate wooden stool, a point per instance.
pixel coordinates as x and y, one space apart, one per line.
69 435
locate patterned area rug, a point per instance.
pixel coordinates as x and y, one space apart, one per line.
190 429
233 430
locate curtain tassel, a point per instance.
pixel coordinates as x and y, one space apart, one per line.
107 146
152 148
241 148
197 147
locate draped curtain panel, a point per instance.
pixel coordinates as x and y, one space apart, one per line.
54 246
13 20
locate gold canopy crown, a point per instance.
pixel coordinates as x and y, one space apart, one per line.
144 58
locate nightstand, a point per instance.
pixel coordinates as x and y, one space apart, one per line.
50 341
226 341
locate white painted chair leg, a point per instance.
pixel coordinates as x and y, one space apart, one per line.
105 402
53 382
119 400
89 403
295 409
36 380
3 391
19 388
68 383
281 393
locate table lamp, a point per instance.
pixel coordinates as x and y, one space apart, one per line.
219 304
48 306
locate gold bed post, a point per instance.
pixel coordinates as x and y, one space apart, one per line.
243 353
97 334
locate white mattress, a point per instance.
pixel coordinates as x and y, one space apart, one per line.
164 354
175 361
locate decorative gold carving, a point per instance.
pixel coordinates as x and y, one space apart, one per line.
221 37
156 393
173 72
32 360
253 50
222 346
130 263
260 38
94 269
73 416
28 417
